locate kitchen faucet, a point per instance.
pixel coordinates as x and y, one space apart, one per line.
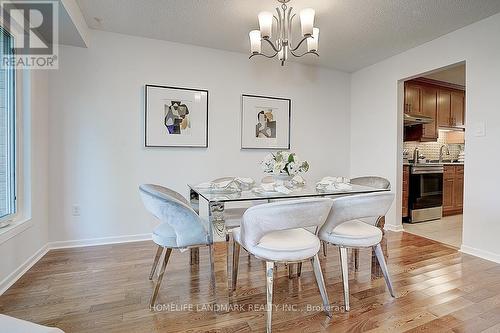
441 152
416 155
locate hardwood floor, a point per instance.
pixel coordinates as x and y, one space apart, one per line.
106 289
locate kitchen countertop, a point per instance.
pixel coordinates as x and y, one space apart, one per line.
443 163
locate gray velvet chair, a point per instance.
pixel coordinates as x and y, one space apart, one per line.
180 227
14 325
276 233
371 181
346 228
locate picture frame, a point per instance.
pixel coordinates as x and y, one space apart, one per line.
265 122
175 117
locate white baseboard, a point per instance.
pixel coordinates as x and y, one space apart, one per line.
98 241
395 228
16 275
480 253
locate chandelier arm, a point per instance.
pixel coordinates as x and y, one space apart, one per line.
272 45
290 30
279 24
300 43
262 54
303 54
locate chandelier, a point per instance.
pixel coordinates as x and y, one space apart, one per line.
283 46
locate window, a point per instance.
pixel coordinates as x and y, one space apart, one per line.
7 131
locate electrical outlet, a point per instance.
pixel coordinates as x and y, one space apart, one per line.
75 210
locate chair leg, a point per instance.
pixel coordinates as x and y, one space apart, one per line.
381 260
356 259
324 248
290 270
345 276
194 258
212 263
160 277
321 285
299 269
236 260
269 291
159 251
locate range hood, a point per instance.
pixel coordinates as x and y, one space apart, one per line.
416 119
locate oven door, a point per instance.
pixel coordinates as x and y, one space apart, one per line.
426 189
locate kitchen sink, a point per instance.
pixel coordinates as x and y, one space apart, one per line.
444 161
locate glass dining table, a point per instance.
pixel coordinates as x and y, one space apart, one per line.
210 206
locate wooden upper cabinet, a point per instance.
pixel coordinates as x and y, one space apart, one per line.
457 108
444 108
429 109
451 108
412 98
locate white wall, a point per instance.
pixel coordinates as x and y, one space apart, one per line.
97 154
375 121
15 253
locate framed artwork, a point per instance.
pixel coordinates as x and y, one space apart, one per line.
175 117
265 122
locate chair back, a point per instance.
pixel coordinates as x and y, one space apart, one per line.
263 219
354 207
372 181
172 208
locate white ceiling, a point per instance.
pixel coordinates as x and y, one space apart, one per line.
455 75
353 33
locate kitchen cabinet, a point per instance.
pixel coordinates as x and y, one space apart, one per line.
444 108
442 102
451 108
429 109
457 113
406 182
421 99
412 98
453 189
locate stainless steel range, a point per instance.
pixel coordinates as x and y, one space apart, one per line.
426 192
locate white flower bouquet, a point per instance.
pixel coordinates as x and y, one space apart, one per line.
284 163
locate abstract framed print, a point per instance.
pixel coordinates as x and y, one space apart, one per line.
175 117
265 122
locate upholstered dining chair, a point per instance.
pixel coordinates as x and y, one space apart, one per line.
13 325
345 229
180 227
376 182
371 181
275 232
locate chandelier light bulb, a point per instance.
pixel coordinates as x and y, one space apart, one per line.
307 21
312 43
265 24
255 42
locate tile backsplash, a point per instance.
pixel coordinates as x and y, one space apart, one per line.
431 149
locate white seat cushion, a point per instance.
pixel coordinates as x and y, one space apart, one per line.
284 245
355 233
14 325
